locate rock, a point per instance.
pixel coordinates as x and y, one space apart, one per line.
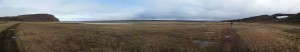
32 18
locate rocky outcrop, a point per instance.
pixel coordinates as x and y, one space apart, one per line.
32 18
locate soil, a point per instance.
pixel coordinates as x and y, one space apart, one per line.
230 41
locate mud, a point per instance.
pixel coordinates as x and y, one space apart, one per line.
230 41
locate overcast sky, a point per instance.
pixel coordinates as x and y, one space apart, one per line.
82 10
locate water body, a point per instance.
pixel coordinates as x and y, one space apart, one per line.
210 33
202 43
101 23
110 23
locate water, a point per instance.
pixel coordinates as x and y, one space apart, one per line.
210 33
109 23
102 23
202 43
227 36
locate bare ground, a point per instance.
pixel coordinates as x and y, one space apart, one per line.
230 40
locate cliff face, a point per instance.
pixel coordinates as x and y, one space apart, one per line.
32 18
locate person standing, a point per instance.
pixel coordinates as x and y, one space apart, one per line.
231 23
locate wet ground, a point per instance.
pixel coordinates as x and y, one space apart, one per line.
230 41
203 43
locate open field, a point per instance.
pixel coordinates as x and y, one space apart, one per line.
5 25
157 37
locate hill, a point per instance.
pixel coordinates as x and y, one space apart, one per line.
291 18
31 18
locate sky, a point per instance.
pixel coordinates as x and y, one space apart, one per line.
87 10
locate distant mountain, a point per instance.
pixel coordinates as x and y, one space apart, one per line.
31 18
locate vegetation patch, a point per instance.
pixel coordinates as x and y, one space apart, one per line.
295 31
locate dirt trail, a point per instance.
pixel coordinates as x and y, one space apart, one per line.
7 42
230 40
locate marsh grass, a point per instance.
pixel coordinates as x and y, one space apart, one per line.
295 31
152 37
5 25
140 37
263 37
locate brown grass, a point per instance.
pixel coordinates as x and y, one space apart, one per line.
266 38
152 37
5 25
141 37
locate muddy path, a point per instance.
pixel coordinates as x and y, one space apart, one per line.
7 42
230 41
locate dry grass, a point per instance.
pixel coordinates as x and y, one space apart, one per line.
266 38
5 25
140 37
152 37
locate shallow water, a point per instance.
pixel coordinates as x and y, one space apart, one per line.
210 33
227 36
202 43
101 23
108 23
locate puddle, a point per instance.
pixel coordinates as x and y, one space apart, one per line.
108 23
12 29
210 33
14 37
227 36
202 43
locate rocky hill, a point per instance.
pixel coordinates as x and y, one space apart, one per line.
31 18
291 18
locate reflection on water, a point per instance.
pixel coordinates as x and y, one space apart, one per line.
202 43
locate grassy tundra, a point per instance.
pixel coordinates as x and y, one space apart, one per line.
157 37
5 25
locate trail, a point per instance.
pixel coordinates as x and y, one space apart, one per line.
7 42
230 41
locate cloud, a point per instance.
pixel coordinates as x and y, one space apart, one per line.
124 14
217 9
73 10
79 10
